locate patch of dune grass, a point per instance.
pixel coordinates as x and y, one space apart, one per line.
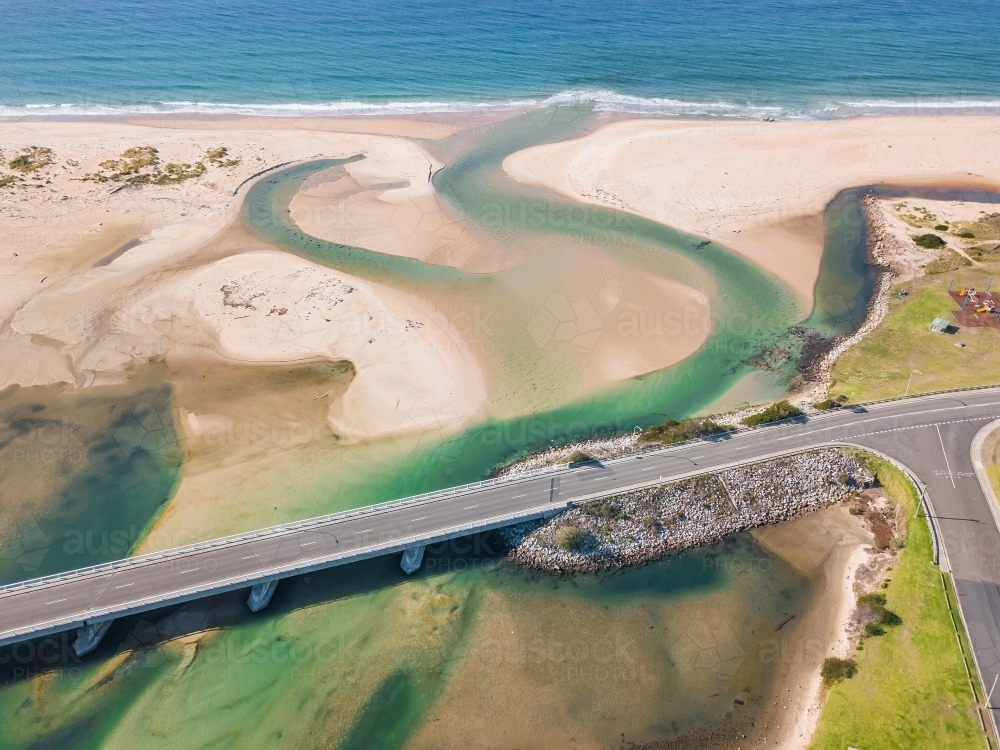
910 689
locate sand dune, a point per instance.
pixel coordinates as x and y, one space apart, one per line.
759 188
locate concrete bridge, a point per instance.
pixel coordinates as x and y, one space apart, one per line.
933 438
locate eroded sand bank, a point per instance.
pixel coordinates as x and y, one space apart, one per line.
759 187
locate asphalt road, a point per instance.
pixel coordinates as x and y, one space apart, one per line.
930 435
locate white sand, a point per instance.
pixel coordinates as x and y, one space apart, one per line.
64 319
759 188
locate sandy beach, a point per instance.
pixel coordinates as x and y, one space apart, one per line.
760 188
190 283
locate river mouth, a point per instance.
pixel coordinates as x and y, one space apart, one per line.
470 652
389 659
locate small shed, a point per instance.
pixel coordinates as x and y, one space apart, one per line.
940 325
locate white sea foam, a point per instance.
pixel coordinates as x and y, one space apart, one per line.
598 100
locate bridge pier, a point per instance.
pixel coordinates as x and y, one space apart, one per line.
412 558
260 595
89 636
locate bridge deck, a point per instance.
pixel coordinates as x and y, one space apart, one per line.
931 435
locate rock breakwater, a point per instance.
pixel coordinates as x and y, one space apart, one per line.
647 524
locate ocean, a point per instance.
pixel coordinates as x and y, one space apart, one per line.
470 651
768 58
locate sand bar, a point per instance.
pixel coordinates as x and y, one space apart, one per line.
759 187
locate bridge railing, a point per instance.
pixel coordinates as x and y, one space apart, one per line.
291 527
176 596
305 524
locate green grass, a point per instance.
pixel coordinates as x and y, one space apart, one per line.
911 689
879 365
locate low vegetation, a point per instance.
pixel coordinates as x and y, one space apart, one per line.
949 261
579 457
569 537
908 686
835 670
31 159
141 165
880 365
986 227
773 413
987 251
928 241
830 403
605 509
217 157
874 615
673 431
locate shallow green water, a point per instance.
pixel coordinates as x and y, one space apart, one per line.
361 657
752 312
83 474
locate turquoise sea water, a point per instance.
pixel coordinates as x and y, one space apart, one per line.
358 656
780 58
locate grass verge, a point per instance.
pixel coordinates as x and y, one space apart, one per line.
911 689
880 364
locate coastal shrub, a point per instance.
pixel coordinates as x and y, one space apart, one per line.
929 241
605 509
950 261
873 630
173 173
217 157
876 618
941 227
132 161
773 413
140 165
569 537
880 529
674 431
31 159
7 179
966 235
579 457
835 669
830 403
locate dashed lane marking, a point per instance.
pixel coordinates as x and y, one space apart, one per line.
894 429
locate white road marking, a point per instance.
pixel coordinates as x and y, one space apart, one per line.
55 602
515 497
470 507
414 520
946 461
649 468
364 531
125 585
906 414
306 544
249 556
